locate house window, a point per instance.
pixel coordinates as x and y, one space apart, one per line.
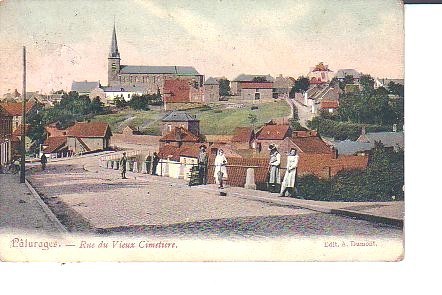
169 127
257 94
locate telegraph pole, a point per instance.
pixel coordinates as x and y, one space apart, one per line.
23 121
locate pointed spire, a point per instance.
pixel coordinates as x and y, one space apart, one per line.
114 46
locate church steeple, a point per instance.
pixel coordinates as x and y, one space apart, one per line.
114 46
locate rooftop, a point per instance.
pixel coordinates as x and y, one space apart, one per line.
15 108
180 134
249 78
84 86
176 70
273 132
89 129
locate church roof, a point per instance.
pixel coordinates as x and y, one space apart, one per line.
114 46
177 70
340 74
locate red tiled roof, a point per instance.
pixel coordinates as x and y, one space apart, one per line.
329 104
89 129
180 134
169 151
15 108
256 85
311 145
319 164
273 132
243 134
176 91
17 131
54 143
305 133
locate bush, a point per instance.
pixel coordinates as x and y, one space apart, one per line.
342 130
383 179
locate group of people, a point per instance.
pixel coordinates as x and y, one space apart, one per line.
287 186
151 164
220 173
274 172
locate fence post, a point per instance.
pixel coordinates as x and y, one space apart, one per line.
250 179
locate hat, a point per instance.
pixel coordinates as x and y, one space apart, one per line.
272 146
203 146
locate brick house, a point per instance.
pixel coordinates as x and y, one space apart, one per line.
181 94
180 119
178 137
243 138
329 106
55 147
15 110
86 137
263 88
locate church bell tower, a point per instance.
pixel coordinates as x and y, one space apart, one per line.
113 67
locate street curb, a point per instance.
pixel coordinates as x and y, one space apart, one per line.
60 227
369 217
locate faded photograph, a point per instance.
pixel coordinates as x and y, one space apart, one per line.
201 130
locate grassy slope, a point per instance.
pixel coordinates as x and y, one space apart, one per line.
217 120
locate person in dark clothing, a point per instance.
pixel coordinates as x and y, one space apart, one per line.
123 162
202 164
155 161
43 161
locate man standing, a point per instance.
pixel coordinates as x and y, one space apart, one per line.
288 184
155 161
274 169
123 162
202 164
43 161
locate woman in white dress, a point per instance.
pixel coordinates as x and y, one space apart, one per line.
288 184
220 168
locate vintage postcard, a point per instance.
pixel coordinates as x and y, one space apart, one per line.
217 130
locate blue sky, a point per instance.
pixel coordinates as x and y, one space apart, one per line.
69 40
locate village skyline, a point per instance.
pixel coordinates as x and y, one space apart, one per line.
60 52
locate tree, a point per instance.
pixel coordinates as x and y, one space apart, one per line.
252 119
367 83
224 87
301 85
139 102
96 106
348 79
396 89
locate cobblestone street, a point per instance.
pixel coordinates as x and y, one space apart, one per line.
102 202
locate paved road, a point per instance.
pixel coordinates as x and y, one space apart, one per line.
304 113
19 210
101 202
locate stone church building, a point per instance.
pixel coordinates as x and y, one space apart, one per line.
149 78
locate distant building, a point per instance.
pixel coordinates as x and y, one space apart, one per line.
393 140
178 137
150 78
180 119
262 90
383 82
282 86
86 137
211 90
244 137
329 106
181 94
10 96
320 74
126 93
55 147
84 87
342 73
15 110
